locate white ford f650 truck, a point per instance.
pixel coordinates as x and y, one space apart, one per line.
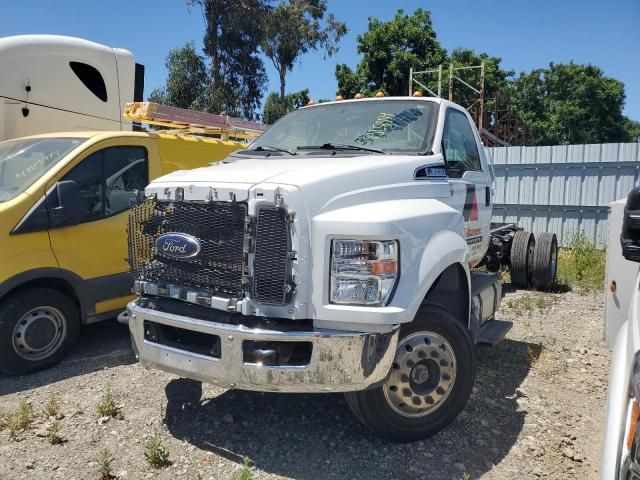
334 254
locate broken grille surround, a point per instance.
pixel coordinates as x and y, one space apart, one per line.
149 218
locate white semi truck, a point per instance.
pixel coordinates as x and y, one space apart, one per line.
51 83
334 254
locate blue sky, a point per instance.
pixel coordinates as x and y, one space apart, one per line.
525 33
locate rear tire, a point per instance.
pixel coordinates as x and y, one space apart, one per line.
38 326
433 372
521 267
545 261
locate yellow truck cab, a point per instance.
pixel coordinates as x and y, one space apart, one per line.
63 214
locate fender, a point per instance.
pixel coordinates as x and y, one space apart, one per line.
430 234
80 286
432 265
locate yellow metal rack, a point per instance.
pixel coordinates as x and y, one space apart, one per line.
181 120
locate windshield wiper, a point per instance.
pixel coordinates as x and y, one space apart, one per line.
340 146
270 148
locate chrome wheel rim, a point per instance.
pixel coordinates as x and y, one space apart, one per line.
422 376
39 333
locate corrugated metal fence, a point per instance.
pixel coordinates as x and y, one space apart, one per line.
563 189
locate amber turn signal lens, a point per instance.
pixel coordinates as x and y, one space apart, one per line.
633 423
384 268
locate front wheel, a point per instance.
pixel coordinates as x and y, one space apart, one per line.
430 381
37 328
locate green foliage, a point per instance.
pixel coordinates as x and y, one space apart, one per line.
527 303
633 129
107 407
274 108
233 32
53 433
187 80
561 104
582 265
19 420
52 408
155 452
389 50
294 27
495 78
105 465
569 103
245 471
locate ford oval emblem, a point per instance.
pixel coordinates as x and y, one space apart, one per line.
178 245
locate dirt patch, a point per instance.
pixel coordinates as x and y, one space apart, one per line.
536 412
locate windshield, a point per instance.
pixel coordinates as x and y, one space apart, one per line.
22 162
389 125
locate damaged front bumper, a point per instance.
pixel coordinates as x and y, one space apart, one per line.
231 355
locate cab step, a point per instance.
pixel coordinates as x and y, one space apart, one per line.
492 331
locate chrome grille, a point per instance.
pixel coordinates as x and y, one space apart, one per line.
219 227
271 279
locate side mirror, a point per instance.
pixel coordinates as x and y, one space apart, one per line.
630 237
68 210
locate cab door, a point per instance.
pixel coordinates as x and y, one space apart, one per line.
95 246
469 180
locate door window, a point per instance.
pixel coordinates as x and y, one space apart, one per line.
108 180
459 145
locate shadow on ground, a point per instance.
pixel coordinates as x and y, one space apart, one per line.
315 436
101 345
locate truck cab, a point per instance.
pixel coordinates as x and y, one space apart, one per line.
333 254
64 200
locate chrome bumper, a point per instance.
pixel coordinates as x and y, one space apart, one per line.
340 361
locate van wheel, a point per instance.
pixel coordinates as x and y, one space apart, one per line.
521 267
37 328
429 384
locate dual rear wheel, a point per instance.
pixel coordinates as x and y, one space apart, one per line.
534 261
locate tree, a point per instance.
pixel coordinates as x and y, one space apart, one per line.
186 80
293 28
495 78
389 50
234 30
569 103
633 130
275 107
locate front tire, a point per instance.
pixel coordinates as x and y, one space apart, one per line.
430 382
38 326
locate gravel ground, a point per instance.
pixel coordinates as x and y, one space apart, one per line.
536 412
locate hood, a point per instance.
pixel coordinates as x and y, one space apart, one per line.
322 179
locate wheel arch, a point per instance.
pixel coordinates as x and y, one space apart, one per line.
451 291
58 279
444 277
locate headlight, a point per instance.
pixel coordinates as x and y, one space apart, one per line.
363 272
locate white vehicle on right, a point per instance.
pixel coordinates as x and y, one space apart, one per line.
621 452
